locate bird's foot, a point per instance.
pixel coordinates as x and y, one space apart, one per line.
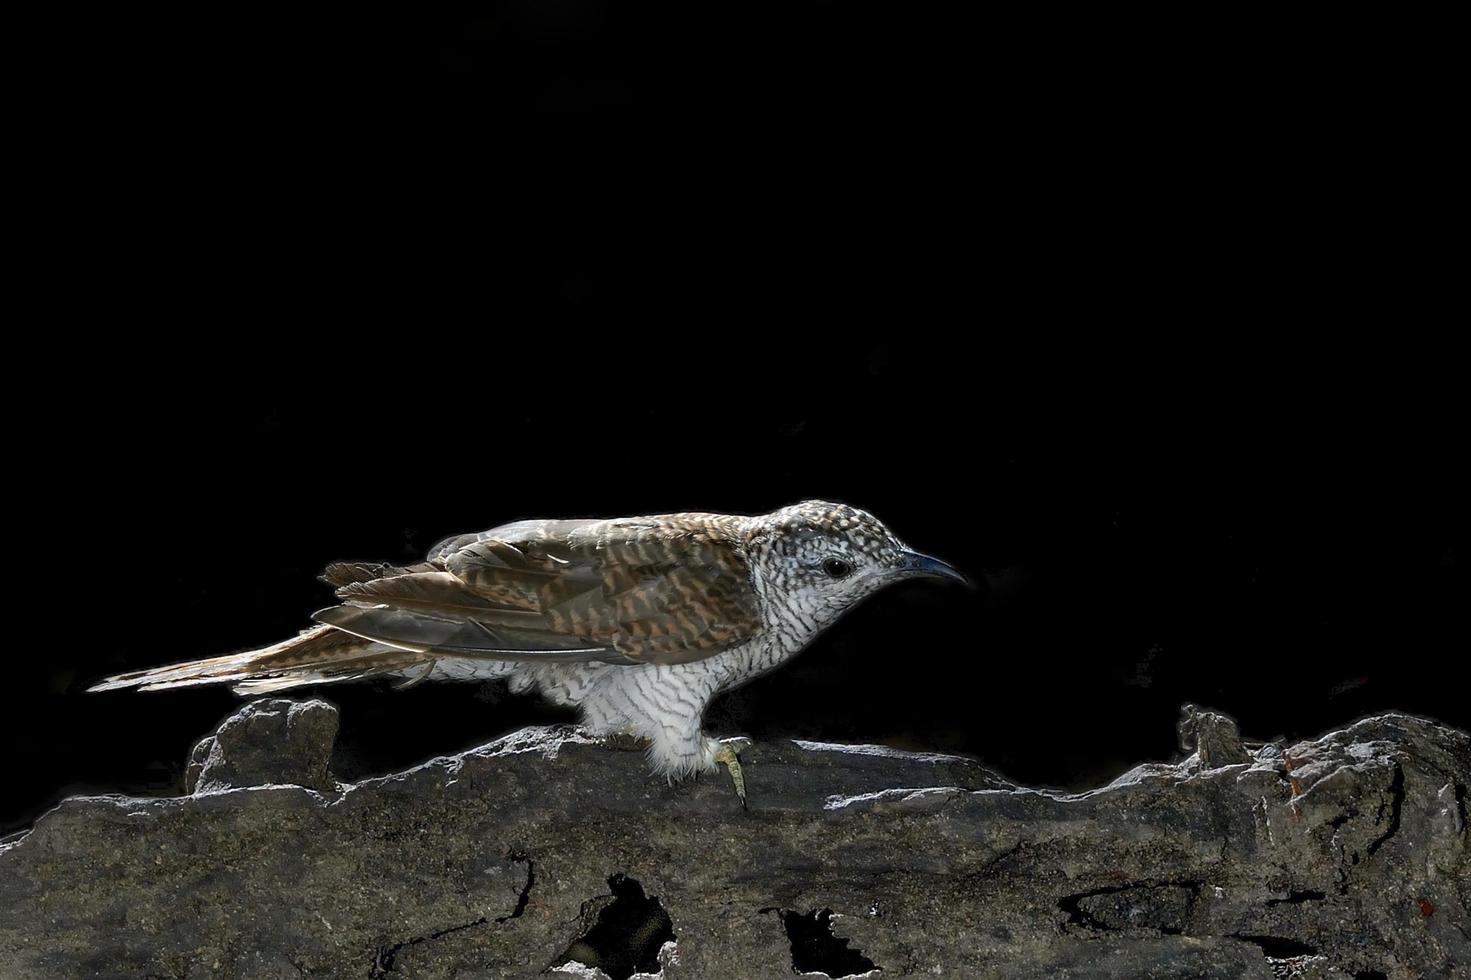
727 753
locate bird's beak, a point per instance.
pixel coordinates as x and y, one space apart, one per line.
916 565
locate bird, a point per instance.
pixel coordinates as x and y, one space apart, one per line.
636 622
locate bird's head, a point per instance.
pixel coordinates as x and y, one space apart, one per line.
825 557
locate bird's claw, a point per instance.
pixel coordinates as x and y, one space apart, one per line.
729 756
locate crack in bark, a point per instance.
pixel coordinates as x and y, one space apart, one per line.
1297 898
384 959
1278 947
1078 916
1396 804
994 863
386 956
525 895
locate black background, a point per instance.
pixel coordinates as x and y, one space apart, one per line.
1136 323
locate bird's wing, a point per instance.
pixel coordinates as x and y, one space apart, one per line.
633 590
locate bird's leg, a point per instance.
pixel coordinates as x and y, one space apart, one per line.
727 753
677 747
612 728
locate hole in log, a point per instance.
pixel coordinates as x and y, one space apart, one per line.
626 932
816 950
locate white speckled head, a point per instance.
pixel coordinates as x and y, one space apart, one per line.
821 558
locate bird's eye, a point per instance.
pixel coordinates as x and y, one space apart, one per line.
836 568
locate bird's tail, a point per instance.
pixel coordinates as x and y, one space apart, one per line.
320 655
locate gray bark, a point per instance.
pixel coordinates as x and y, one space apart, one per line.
1341 857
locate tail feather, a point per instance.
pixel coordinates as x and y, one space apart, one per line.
319 655
208 671
267 685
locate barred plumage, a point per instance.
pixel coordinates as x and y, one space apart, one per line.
638 622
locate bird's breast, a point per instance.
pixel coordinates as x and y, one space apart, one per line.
750 660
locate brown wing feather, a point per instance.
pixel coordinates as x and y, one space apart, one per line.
636 590
346 572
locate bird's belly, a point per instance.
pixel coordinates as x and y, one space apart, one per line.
467 669
570 684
